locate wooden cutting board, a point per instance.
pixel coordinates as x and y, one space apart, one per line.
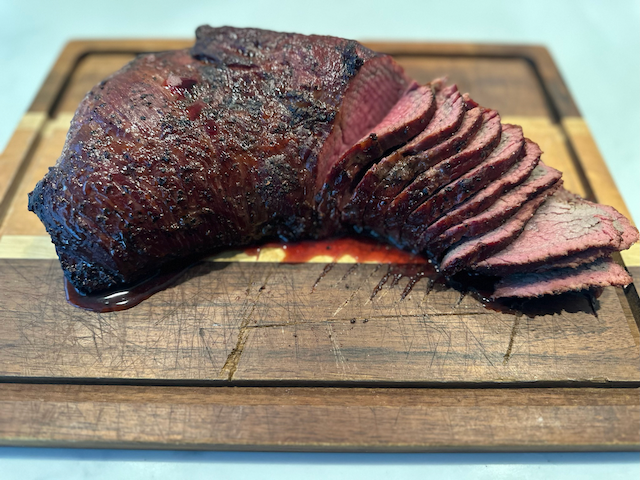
325 355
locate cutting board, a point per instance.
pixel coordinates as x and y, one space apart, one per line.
258 353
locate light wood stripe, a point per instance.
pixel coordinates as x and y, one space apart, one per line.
37 247
16 152
552 140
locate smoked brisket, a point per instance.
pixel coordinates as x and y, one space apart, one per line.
253 135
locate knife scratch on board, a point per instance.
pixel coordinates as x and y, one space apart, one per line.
514 331
233 359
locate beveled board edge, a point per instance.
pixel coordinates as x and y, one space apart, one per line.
320 419
616 417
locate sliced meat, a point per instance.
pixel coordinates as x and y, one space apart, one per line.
565 225
603 272
400 167
405 169
253 135
542 178
468 252
486 197
407 118
499 161
427 183
450 112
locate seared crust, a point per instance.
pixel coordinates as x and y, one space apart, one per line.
253 134
183 152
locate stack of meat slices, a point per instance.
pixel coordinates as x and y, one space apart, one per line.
473 194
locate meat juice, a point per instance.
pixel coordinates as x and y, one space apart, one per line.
361 250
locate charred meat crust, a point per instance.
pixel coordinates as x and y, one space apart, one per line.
252 135
183 152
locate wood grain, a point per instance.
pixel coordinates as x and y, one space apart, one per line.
372 361
320 419
635 273
17 219
16 156
267 322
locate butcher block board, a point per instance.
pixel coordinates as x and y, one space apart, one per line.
256 353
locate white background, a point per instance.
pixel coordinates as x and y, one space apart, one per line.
596 45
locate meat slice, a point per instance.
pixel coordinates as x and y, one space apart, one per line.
427 183
486 197
542 178
499 161
471 123
468 252
565 225
408 117
186 151
603 272
572 261
449 114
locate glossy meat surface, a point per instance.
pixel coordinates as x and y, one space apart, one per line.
253 135
182 152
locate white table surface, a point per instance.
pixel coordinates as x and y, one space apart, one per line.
596 45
